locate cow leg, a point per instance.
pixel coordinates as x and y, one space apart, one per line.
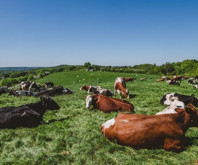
176 145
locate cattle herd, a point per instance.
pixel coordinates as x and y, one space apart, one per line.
166 128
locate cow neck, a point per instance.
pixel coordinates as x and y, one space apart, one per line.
39 107
183 121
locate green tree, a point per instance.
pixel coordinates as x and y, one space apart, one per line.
87 64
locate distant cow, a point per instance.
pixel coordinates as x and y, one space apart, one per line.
151 131
161 79
107 104
175 103
34 87
24 85
121 90
143 79
196 86
57 90
28 115
172 82
86 88
126 79
191 81
121 80
48 84
4 89
97 90
102 91
22 93
177 78
166 99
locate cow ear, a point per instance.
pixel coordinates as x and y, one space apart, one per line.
180 111
188 110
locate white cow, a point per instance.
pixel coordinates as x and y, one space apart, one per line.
175 103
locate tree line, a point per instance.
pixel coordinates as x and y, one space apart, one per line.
186 67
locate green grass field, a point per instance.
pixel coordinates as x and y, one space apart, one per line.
75 138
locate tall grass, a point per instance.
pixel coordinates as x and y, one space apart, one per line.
74 136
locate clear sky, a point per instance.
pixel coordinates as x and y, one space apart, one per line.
104 32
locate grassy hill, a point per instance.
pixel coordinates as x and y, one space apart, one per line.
75 137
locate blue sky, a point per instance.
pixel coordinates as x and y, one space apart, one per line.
104 32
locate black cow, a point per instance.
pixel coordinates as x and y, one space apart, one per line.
28 115
166 99
172 82
4 89
191 81
22 93
99 90
35 87
58 90
48 84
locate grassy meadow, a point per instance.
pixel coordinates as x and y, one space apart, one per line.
72 134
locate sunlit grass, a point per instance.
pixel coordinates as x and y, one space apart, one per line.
75 138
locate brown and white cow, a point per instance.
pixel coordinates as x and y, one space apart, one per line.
121 90
175 103
177 78
126 79
107 104
87 88
144 131
121 80
161 79
24 85
97 90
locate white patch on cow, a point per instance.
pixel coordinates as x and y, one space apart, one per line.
196 86
118 91
126 121
171 109
168 81
89 100
168 101
65 91
108 123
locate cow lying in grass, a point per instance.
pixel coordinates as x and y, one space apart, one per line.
144 131
57 90
107 104
22 93
175 103
28 115
97 90
4 89
166 99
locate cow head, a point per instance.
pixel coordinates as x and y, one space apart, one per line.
49 103
84 87
190 109
125 93
166 99
89 101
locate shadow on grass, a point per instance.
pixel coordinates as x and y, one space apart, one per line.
131 96
54 120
